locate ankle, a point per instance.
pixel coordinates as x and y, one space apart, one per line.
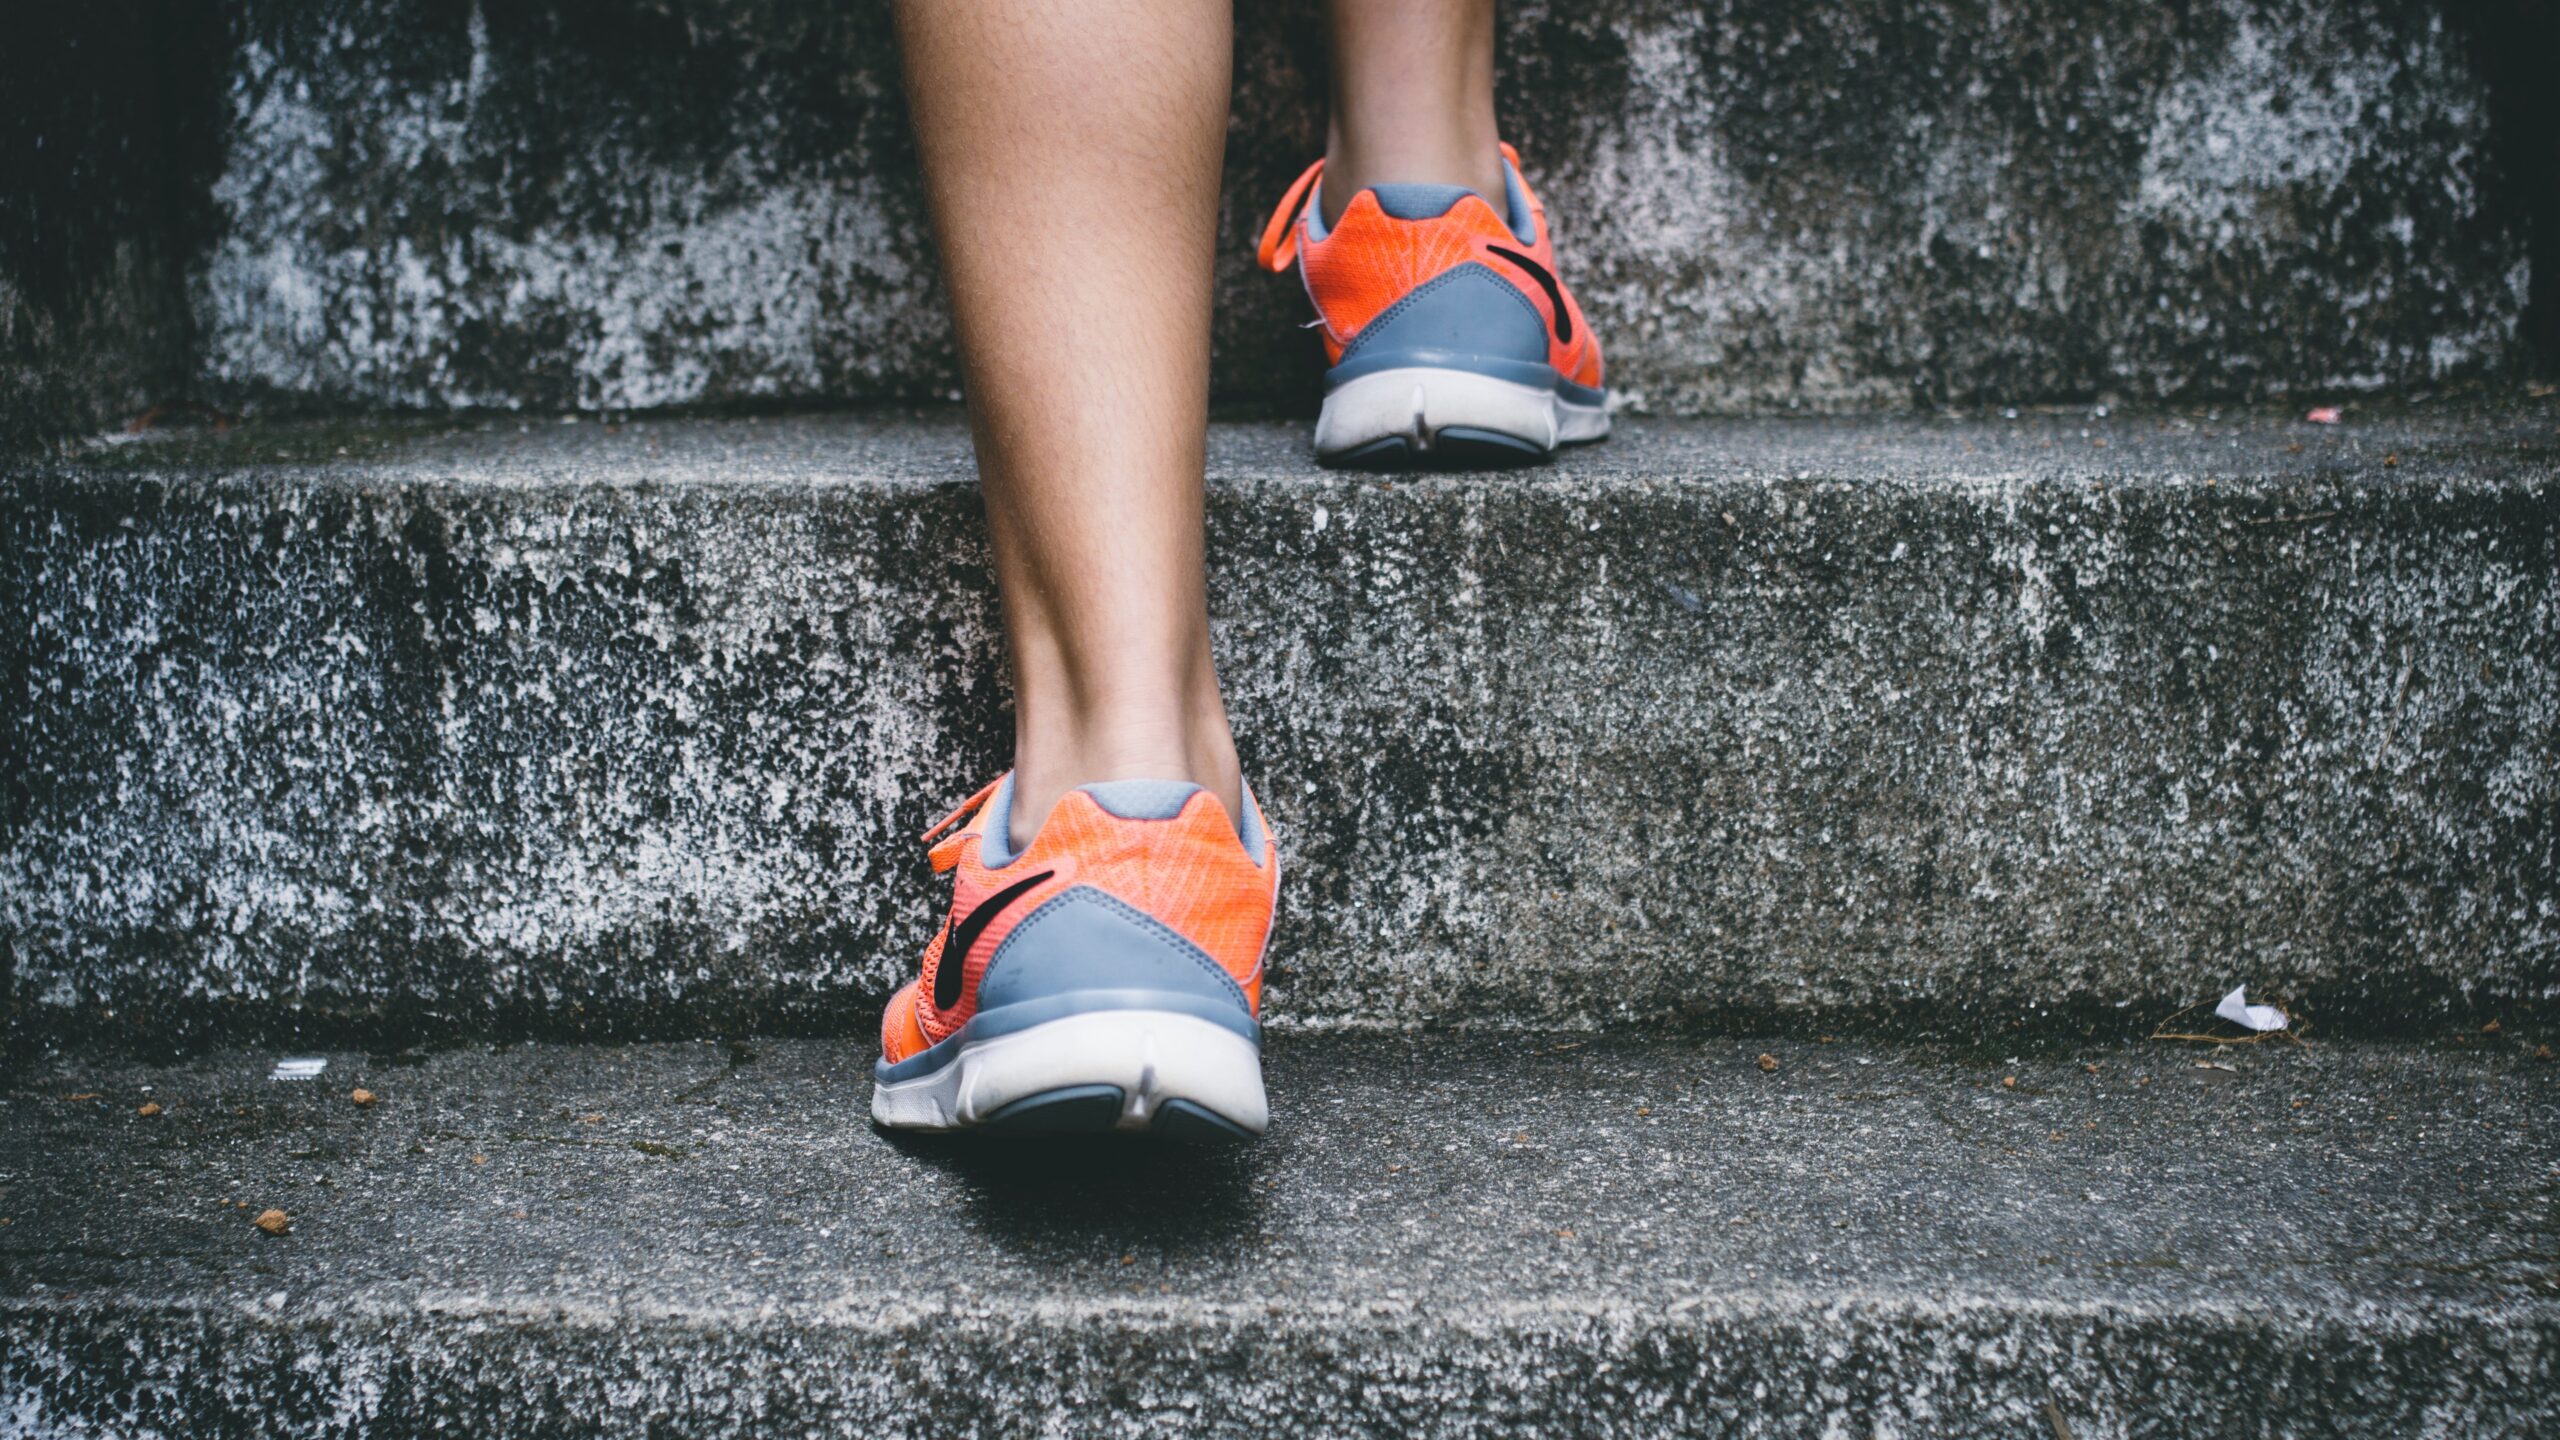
1418 160
1048 765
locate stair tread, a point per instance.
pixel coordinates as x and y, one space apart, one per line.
1441 1235
2472 441
1441 1173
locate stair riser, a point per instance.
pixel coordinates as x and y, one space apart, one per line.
423 756
1763 204
1965 1371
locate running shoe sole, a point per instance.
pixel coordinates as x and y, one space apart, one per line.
1412 416
1161 1072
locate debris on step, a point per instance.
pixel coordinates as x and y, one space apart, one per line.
274 1222
2235 1007
2250 1024
299 1068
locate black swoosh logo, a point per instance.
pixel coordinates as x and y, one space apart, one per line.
1546 282
953 967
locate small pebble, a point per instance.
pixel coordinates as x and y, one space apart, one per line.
364 1098
149 1108
1767 1063
2008 1082
274 1222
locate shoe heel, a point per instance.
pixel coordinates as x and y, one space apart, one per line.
1166 1072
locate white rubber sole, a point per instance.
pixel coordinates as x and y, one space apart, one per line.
1423 407
1152 1057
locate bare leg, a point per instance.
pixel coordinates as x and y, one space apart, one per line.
1412 98
1071 154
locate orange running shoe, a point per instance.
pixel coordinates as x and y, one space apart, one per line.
1450 337
1106 977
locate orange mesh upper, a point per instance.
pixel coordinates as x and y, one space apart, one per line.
1190 872
1370 260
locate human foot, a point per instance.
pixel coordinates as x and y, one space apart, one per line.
1450 337
1106 976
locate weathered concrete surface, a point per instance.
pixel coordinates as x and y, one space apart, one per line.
111 117
1932 721
1767 204
1439 1238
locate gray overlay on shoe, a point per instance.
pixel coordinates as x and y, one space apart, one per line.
1081 952
1466 310
1515 195
1089 939
1141 799
995 838
1466 318
1415 201
1128 799
1418 202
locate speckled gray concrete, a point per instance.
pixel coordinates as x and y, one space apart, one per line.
554 727
1765 203
113 114
1442 1237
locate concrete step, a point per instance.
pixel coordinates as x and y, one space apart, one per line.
1763 204
1440 1238
544 727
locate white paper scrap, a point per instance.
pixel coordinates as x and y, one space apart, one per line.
2235 1007
299 1069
